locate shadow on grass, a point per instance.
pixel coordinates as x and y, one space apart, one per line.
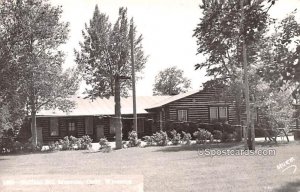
197 147
274 144
290 187
26 153
94 151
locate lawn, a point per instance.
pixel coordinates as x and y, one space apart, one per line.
171 168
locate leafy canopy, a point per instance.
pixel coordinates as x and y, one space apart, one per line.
105 54
31 34
171 82
219 35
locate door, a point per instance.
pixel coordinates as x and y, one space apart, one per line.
100 131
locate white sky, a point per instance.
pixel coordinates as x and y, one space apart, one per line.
166 25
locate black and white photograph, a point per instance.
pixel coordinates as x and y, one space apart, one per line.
149 95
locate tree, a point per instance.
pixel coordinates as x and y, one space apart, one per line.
171 82
104 59
229 43
219 36
105 53
281 56
32 34
276 105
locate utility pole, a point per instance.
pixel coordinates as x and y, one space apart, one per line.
250 129
133 79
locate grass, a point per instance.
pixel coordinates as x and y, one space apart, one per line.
170 168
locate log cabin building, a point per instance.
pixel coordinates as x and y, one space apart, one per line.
95 117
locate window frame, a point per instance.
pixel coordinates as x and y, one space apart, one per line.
72 131
210 113
186 115
226 111
218 119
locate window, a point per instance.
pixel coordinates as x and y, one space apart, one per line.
223 113
54 126
140 125
213 111
72 128
218 113
182 115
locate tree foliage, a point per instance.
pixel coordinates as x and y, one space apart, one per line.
272 53
105 53
219 35
171 82
281 55
274 104
31 35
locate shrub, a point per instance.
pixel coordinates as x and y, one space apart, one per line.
160 138
133 139
65 143
6 144
124 144
202 135
217 134
29 147
228 128
186 138
74 142
228 137
188 127
207 127
231 137
70 143
104 145
54 146
17 146
85 142
176 138
148 140
103 142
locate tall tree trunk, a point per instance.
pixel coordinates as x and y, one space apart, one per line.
33 125
250 129
118 122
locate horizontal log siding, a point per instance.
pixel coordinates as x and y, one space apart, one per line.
80 126
44 122
198 107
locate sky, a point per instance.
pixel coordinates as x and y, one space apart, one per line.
166 25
